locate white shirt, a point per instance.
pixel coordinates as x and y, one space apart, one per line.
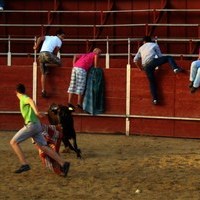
50 43
147 52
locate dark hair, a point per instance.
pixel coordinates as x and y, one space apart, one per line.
146 39
60 32
21 88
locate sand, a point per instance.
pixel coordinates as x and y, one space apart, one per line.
114 167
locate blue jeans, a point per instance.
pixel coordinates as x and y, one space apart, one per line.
2 3
195 73
150 69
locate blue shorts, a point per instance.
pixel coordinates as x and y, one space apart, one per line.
31 130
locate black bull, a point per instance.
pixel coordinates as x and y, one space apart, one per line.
59 114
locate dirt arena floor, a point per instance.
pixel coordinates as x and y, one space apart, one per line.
115 167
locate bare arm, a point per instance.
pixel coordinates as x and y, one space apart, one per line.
74 59
158 51
138 65
96 58
137 61
34 107
38 42
56 50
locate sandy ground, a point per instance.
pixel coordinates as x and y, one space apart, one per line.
114 167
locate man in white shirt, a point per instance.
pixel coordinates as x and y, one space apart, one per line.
151 57
48 54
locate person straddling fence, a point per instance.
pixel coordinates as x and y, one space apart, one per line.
195 75
48 55
151 57
81 64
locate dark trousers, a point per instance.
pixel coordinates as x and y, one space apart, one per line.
150 69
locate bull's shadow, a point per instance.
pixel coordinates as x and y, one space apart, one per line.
59 114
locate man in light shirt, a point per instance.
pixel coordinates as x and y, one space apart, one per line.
48 55
151 57
195 75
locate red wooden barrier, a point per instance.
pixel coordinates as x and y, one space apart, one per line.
176 101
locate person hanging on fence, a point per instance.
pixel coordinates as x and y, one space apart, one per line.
2 5
81 64
32 129
48 55
195 75
151 57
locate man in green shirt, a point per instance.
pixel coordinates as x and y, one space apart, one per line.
32 129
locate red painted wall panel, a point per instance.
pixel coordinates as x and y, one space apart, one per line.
112 18
152 127
177 101
187 129
97 124
11 122
9 78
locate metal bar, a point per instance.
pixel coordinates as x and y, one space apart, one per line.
121 116
165 117
98 11
97 25
110 39
25 11
110 54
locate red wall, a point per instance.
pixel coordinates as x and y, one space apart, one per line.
176 100
98 18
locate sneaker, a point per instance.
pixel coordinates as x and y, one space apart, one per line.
23 168
155 101
193 89
65 168
44 94
191 84
70 106
177 70
79 106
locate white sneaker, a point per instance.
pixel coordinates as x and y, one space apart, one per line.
155 102
177 70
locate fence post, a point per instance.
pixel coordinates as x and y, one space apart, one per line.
128 80
35 74
9 53
107 54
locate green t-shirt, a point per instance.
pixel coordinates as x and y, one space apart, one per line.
26 110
